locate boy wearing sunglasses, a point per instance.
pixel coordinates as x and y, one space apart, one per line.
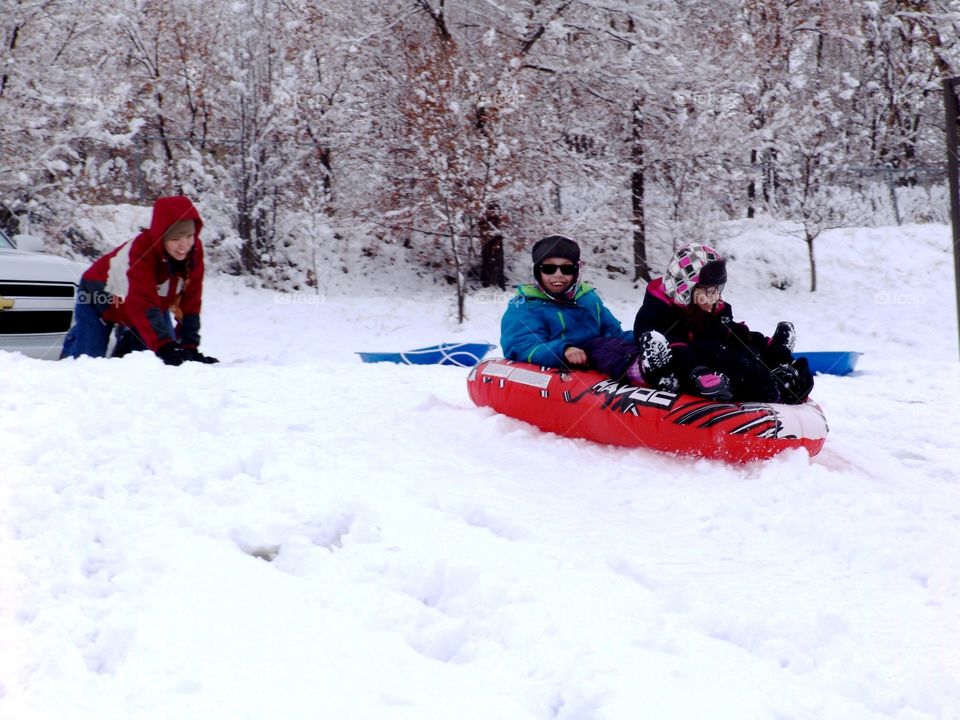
557 320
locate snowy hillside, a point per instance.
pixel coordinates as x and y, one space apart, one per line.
293 534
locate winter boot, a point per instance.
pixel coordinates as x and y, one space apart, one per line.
127 342
710 384
654 358
795 381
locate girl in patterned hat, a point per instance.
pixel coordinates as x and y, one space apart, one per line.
710 354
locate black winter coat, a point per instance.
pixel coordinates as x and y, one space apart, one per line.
714 341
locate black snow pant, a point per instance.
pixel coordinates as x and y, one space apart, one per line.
750 378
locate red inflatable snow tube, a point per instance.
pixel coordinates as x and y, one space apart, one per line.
582 404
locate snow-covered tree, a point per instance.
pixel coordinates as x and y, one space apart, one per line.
465 130
61 129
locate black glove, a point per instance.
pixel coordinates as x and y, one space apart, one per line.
738 332
669 383
194 355
786 377
742 339
171 354
795 381
710 384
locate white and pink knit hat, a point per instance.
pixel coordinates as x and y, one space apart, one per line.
684 270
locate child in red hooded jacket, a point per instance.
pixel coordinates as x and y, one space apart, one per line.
140 284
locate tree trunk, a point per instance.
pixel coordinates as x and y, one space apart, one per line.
165 143
246 228
491 248
327 179
641 269
11 47
810 237
249 257
771 180
461 280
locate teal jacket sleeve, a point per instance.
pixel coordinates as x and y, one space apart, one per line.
610 326
522 330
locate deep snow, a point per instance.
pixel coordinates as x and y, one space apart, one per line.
294 534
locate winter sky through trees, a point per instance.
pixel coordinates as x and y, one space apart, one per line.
462 128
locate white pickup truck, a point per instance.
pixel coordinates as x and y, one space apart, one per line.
37 296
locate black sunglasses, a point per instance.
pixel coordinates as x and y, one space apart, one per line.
550 269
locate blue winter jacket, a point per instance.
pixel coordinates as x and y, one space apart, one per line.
536 328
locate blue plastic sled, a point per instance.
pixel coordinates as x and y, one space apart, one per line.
459 354
831 363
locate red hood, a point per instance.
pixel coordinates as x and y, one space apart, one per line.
168 210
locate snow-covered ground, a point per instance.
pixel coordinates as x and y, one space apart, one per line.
293 534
